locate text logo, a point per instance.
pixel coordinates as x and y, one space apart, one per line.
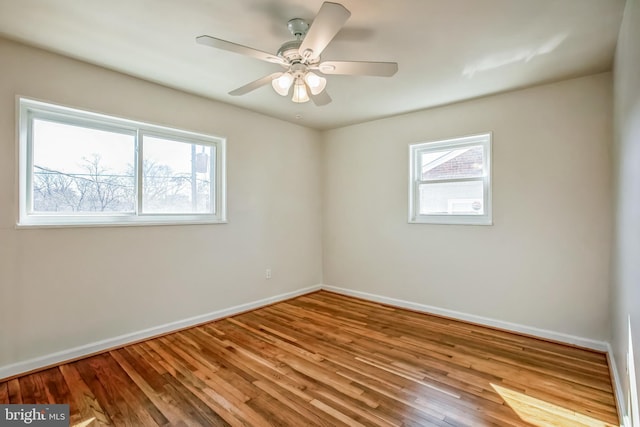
34 415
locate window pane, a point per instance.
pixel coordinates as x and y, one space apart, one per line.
452 198
466 162
177 176
82 170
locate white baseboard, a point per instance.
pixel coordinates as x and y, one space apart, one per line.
500 324
119 341
617 388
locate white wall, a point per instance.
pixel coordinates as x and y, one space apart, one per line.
545 262
61 288
626 249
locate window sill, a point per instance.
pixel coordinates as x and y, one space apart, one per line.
48 222
452 220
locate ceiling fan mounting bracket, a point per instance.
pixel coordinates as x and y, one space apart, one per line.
298 27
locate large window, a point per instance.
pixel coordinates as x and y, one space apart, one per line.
80 168
450 181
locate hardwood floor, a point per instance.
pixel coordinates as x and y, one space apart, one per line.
330 360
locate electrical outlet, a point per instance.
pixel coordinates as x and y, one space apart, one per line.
267 273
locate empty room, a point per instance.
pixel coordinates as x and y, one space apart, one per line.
309 213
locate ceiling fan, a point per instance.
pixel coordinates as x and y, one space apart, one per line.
301 58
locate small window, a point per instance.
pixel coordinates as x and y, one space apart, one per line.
450 181
79 168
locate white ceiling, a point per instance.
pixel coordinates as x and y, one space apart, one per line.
447 50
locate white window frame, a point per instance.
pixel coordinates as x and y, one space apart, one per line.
415 151
29 109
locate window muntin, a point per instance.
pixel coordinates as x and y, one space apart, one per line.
79 168
450 181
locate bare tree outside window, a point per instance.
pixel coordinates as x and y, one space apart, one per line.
97 189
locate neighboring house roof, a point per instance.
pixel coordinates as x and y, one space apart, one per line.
464 162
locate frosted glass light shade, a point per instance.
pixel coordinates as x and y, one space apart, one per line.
282 84
315 82
300 92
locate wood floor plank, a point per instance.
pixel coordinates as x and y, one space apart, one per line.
171 413
328 360
172 391
4 393
83 401
56 388
106 396
228 402
15 394
33 389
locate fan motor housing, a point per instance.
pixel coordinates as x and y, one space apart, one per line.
289 50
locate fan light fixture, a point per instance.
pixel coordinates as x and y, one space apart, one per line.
304 83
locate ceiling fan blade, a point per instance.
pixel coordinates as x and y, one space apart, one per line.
320 99
254 84
364 68
238 48
330 18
